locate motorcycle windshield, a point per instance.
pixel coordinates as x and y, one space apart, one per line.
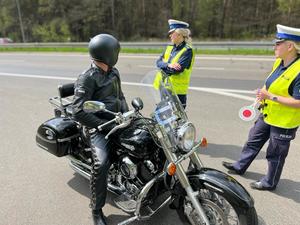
167 108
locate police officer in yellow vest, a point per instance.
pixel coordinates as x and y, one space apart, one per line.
178 59
280 111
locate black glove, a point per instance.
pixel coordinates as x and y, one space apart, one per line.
124 106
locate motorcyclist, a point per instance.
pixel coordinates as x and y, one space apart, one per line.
101 82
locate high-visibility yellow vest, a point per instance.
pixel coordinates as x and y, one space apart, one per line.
181 81
275 113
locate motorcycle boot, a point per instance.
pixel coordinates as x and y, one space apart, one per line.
98 217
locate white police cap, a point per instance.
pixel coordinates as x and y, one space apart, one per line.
287 33
175 24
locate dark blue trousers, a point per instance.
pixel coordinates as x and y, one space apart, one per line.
182 99
278 148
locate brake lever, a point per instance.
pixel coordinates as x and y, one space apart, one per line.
100 127
122 125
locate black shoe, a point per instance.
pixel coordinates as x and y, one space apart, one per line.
230 167
98 217
258 185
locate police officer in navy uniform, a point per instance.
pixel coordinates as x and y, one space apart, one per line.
101 82
178 59
280 111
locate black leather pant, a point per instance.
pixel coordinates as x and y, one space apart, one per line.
100 167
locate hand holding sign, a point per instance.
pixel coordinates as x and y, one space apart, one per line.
248 113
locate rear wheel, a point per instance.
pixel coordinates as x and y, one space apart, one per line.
218 209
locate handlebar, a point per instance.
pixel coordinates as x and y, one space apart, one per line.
100 127
123 120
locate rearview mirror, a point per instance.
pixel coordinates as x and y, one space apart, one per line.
137 103
93 106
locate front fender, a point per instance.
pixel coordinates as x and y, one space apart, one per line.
221 183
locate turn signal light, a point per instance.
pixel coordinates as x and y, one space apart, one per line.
203 142
171 169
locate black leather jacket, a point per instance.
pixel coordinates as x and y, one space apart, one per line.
96 84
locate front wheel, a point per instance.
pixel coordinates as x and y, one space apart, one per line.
218 209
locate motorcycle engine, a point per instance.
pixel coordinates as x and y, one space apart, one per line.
135 173
128 168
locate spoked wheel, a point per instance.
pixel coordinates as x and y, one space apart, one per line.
213 212
218 210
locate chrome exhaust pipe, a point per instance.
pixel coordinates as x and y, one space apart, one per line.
78 168
78 162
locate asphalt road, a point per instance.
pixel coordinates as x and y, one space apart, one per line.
39 189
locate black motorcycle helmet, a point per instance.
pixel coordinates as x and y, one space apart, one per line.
104 48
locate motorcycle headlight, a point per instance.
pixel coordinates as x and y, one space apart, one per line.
186 136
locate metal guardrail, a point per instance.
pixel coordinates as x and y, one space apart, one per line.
149 45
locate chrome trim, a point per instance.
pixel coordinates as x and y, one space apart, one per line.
76 167
45 139
58 140
144 193
130 166
141 196
213 187
196 160
129 220
192 196
115 189
68 138
79 170
157 209
180 134
78 162
58 102
43 147
187 155
55 102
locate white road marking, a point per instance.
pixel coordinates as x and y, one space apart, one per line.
35 76
223 92
11 61
208 68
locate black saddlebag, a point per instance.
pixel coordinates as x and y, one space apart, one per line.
57 136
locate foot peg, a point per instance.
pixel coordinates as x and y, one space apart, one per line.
125 203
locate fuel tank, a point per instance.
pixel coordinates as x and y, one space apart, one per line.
136 140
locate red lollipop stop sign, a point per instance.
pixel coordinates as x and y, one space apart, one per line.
248 113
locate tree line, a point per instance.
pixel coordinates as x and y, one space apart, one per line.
143 20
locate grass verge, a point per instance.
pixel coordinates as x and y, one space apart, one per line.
233 51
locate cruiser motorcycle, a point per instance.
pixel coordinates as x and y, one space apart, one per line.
149 154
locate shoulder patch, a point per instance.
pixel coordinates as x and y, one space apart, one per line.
79 91
92 71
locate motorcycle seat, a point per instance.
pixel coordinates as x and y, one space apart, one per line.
66 90
63 101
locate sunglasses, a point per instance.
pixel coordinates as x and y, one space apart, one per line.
279 43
